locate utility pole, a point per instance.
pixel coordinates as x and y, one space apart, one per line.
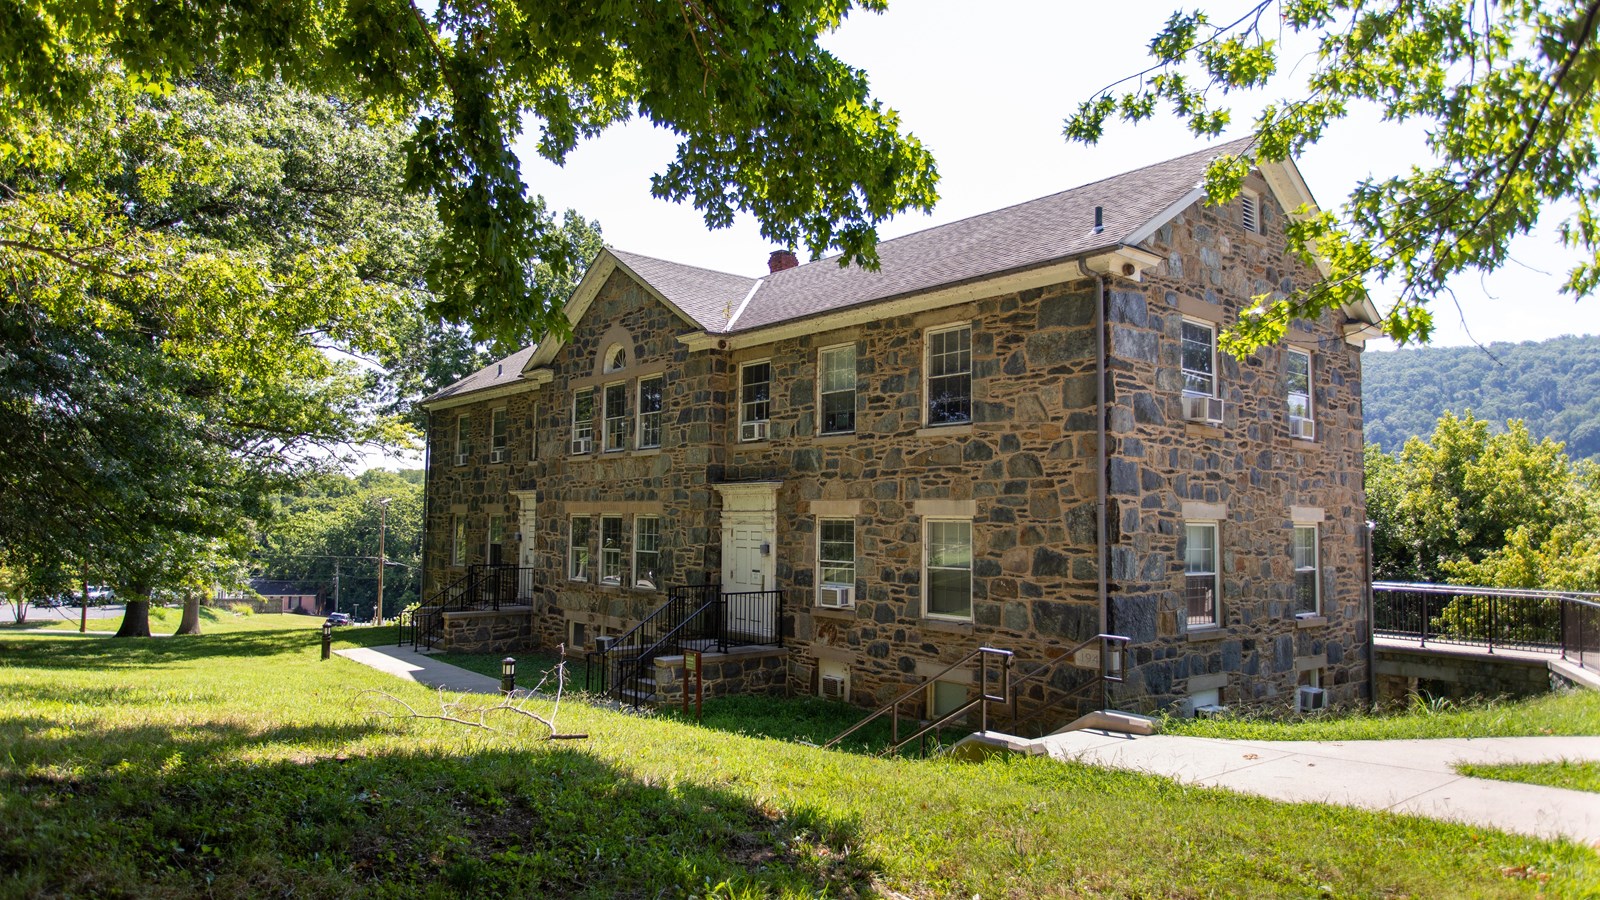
383 523
336 585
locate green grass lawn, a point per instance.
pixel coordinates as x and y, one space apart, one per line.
237 763
1574 775
1572 712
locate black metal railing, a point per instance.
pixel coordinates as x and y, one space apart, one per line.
1111 665
1561 622
697 617
481 587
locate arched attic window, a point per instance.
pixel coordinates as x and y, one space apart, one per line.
616 358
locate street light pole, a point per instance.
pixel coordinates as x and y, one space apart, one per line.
383 523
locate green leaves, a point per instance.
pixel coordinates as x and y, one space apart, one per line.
1504 92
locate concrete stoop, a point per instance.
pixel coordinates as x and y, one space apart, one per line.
1575 675
984 744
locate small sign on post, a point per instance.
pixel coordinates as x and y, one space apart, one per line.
692 667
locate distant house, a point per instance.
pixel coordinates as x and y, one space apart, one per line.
1018 433
269 595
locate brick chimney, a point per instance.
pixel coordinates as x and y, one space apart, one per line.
780 260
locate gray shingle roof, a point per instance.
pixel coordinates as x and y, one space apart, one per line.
708 297
1017 237
495 374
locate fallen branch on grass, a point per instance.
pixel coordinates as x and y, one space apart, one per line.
462 712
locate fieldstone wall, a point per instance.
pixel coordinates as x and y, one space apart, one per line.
1023 471
763 671
487 630
1456 675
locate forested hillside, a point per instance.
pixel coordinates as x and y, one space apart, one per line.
1553 386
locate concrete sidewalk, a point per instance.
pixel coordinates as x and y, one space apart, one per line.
1413 776
403 662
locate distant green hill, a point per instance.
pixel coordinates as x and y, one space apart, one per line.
1552 385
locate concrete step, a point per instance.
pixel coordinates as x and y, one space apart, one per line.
981 745
1112 720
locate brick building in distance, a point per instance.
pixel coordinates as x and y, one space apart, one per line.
1018 433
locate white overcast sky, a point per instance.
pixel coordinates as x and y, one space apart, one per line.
986 88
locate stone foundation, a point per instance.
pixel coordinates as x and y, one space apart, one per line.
487 630
1456 673
761 671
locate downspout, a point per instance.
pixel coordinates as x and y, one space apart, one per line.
1100 441
1368 600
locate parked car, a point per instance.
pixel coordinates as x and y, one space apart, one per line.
338 618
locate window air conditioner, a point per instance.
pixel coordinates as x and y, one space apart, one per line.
1310 699
497 455
1202 409
832 687
1302 428
461 459
753 431
582 444
836 596
1210 711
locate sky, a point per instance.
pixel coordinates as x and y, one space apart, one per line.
987 90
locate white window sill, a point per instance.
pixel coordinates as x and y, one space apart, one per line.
955 429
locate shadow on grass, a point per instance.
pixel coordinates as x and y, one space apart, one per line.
811 720
546 821
106 652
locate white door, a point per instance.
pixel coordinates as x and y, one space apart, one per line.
747 567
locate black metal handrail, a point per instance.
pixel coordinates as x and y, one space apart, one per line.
482 586
986 656
1564 622
1112 665
626 648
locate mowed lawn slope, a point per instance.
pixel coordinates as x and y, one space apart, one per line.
239 764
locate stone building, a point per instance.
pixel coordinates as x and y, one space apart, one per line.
1018 433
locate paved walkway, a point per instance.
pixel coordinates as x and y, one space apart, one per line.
1415 776
403 662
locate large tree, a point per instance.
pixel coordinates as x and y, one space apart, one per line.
769 122
1505 92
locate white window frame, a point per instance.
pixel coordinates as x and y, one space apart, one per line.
611 557
749 408
1290 394
497 434
615 360
928 376
1250 211
1184 371
1315 569
458 540
825 564
575 570
616 439
639 581
1189 572
582 426
928 527
463 439
651 420
823 393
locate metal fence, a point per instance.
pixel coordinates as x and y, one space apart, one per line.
1561 622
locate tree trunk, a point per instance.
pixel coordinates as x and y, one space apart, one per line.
136 615
191 615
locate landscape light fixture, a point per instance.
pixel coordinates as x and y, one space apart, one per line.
508 675
327 639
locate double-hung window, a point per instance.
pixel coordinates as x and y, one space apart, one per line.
578 550
646 552
463 439
755 400
616 415
497 435
458 541
1199 359
836 388
836 561
583 421
1307 583
1298 384
949 382
1202 588
947 568
650 397
610 549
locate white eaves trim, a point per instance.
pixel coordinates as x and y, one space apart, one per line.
583 297
1128 262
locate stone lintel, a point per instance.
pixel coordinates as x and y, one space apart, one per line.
1213 682
1196 511
1307 515
954 509
836 508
